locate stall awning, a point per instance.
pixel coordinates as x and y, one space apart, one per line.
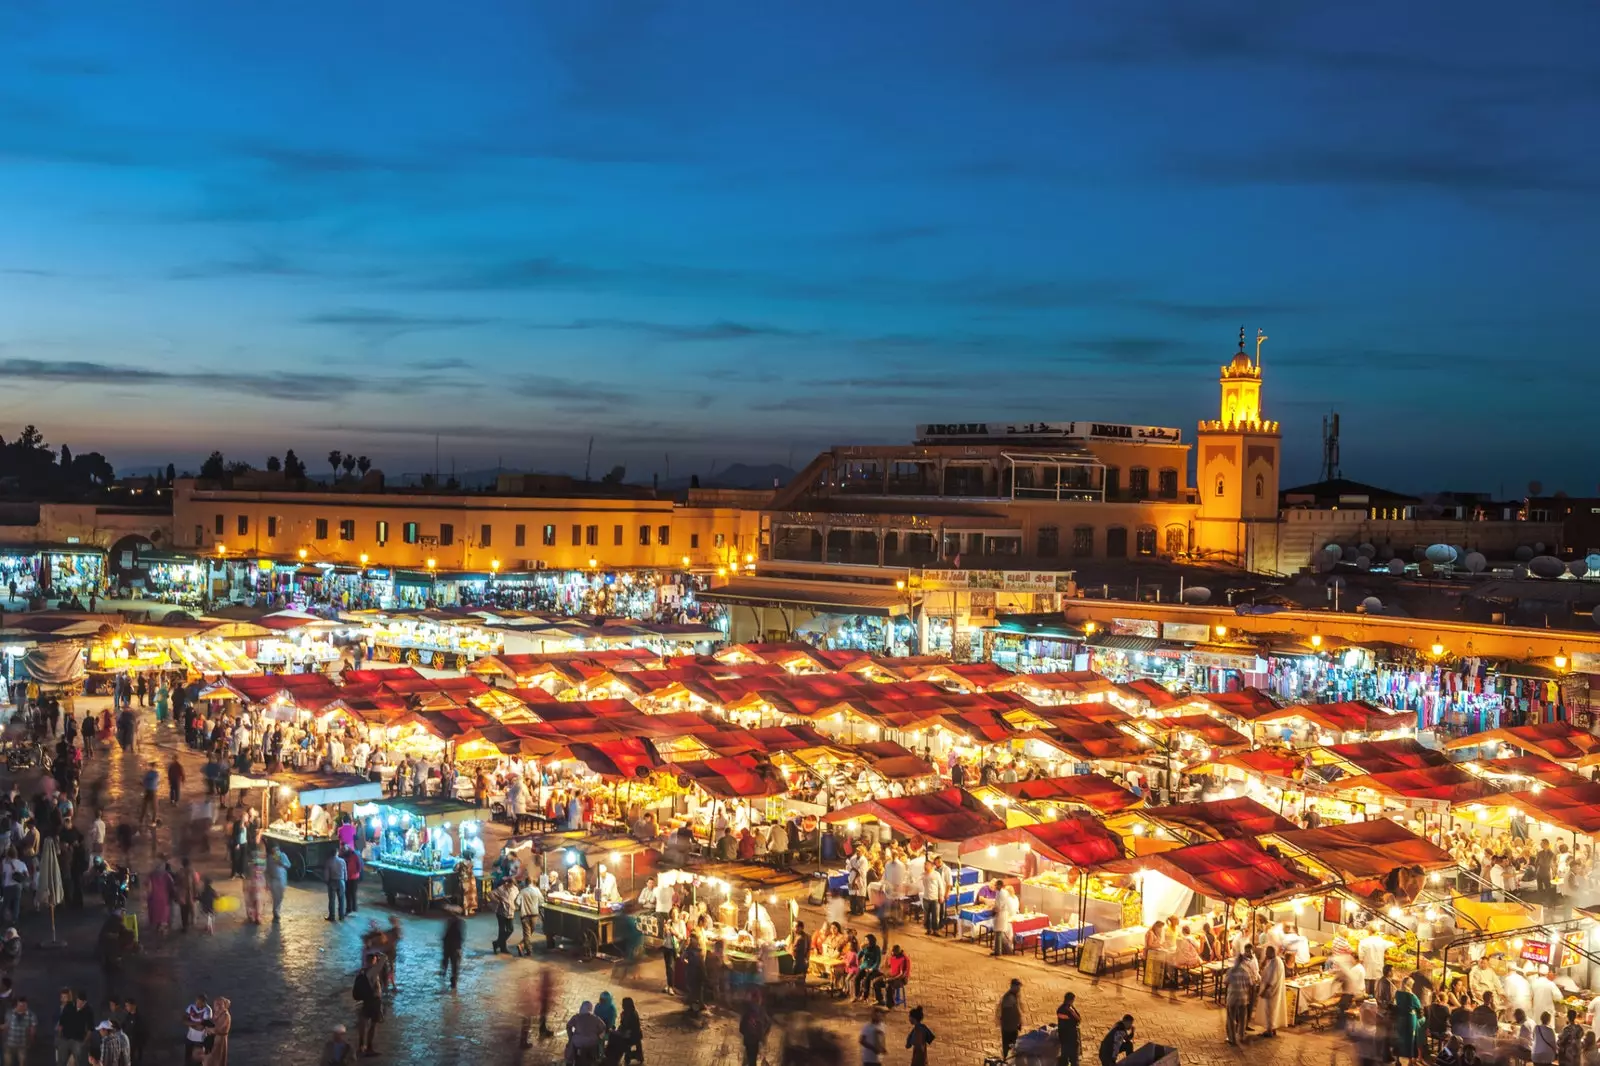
1250 704
1205 727
1222 819
326 789
1558 741
1095 791
1123 642
816 595
1095 742
1379 756
1268 763
628 757
1224 870
1527 767
1446 784
737 777
1078 840
1357 851
951 815
1348 717
437 810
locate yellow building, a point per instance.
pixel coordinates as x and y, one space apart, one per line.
462 531
1237 463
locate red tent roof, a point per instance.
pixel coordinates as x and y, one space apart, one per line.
1077 840
1554 740
1251 704
1223 819
1441 784
1207 727
951 815
1095 791
628 757
1348 717
1372 849
364 677
1536 767
1147 691
893 761
1095 741
790 738
739 777
1382 756
1267 762
1225 870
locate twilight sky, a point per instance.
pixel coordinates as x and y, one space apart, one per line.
737 232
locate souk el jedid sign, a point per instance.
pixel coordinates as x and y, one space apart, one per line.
971 431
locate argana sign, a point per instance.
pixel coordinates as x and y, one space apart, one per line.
971 431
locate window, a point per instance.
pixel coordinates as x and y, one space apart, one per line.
663 535
616 536
1167 485
244 525
577 536
1049 542
694 540
591 535
221 528
1116 543
409 533
644 536
199 534
1113 482
716 540
549 536
1177 540
272 526
1222 488
383 533
347 529
322 529
447 534
485 534
1261 486
1082 542
521 535
1139 482
1144 542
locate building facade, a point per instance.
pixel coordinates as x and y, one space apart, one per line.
462 532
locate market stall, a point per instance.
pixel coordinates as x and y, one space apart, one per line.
593 879
301 814
1557 741
423 846
940 819
1055 863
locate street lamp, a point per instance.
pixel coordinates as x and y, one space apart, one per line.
686 562
302 555
363 558
1561 659
1089 628
494 564
593 562
1222 631
1316 640
1437 649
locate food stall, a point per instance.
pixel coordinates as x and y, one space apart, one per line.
749 906
939 821
414 852
301 816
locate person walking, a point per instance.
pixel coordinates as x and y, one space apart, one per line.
504 902
529 900
21 1027
337 1051
754 1025
1270 994
175 779
352 879
1008 1014
197 1018
455 938
1238 986
74 1023
186 889
158 897
874 1042
277 878
147 805
935 892
919 1038
334 872
221 1026
132 1027
1068 1025
368 992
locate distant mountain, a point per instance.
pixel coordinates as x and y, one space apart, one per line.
738 476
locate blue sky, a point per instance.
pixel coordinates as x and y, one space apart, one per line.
738 232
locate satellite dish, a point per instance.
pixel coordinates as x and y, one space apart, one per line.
1196 594
1386 552
1524 553
1475 562
1418 554
1365 549
1440 554
1372 604
1519 571
1337 581
1397 567
1538 548
1334 550
1547 566
1578 567
1593 561
1364 562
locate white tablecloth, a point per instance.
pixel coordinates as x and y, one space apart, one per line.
1124 939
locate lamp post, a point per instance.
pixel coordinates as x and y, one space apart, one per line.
433 581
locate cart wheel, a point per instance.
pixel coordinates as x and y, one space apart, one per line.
550 941
591 945
297 868
390 896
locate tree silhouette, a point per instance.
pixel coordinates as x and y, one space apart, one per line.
349 465
292 466
273 465
172 473
66 461
614 476
363 464
335 457
214 467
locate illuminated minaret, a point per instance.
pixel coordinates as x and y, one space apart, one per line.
1236 465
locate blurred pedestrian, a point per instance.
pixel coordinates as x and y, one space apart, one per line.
754 1025
221 1027
368 992
627 1040
1008 1014
1068 1023
920 1036
455 937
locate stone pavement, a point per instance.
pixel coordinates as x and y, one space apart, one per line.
290 984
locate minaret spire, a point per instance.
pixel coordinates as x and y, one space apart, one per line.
1261 338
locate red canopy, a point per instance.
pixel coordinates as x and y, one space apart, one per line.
1207 727
1225 870
1265 762
369 677
893 761
1251 704
1438 784
1095 791
1349 717
1147 691
1382 756
739 777
627 757
951 815
1535 767
1554 740
1095 741
1223 819
1373 849
1077 840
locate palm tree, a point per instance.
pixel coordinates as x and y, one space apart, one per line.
349 465
335 457
363 464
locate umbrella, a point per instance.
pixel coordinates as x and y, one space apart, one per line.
52 893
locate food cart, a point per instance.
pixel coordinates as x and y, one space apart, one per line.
578 911
299 812
414 852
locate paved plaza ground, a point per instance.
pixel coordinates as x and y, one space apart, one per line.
290 984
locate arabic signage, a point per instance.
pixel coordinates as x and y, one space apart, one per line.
969 431
998 580
1136 627
1187 632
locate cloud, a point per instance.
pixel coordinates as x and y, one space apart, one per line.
564 390
896 383
1467 170
257 265
28 272
375 319
445 363
318 387
711 331
299 161
1136 349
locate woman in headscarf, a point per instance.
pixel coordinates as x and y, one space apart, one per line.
221 1026
255 888
469 888
159 897
1406 1021
584 1032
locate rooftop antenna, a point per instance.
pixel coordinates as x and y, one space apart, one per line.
587 458
1261 338
1330 446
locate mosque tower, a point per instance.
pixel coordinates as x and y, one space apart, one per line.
1237 460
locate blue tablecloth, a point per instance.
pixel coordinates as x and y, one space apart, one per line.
838 882
962 898
1056 939
976 914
